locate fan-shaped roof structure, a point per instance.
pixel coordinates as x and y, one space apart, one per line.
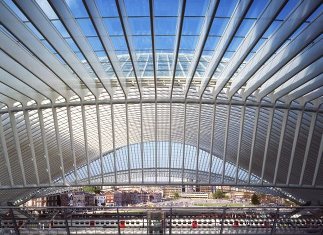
121 92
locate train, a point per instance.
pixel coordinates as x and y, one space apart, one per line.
193 223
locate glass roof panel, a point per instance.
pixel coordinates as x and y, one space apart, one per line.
87 27
107 8
256 8
225 9
113 26
196 7
77 8
137 7
192 25
139 25
166 7
165 25
60 27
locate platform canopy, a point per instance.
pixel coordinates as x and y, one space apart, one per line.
161 92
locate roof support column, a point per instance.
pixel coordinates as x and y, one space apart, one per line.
69 119
59 145
270 123
298 126
17 143
141 144
43 133
170 142
184 136
114 144
226 141
5 152
128 148
100 140
156 144
318 162
212 141
31 142
281 139
308 144
239 141
85 144
198 145
254 135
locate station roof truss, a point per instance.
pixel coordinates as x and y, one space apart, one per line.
155 92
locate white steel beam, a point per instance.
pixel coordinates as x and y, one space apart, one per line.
291 161
261 25
70 128
141 144
295 19
318 162
239 141
129 41
15 68
212 142
233 25
307 88
205 29
128 144
100 140
254 136
308 144
179 28
107 43
184 140
86 144
17 144
59 73
198 144
5 152
305 62
269 128
114 144
31 144
43 134
280 147
76 33
59 145
227 127
281 63
13 82
299 79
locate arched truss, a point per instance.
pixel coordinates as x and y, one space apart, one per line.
242 82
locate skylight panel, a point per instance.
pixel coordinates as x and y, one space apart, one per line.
61 29
107 8
137 7
256 8
192 25
77 8
225 9
113 26
166 7
288 8
139 25
165 25
196 7
87 27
